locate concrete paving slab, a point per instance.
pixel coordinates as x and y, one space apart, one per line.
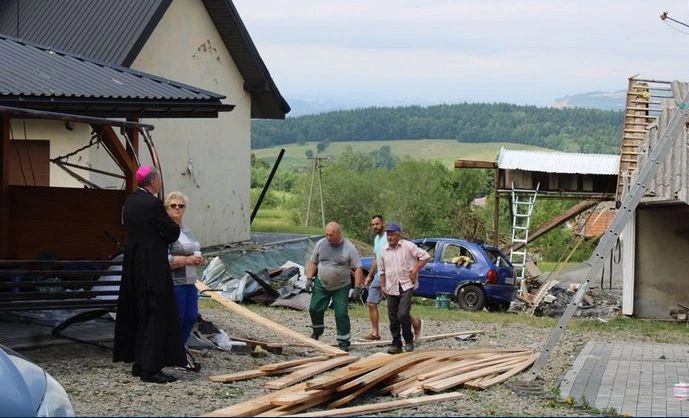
633 378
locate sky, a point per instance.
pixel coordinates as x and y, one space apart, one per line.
386 52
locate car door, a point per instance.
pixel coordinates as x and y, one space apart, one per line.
453 268
426 275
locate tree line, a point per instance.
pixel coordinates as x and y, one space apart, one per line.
568 129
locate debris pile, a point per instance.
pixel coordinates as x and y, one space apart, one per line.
406 375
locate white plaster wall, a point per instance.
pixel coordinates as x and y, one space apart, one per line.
207 159
62 142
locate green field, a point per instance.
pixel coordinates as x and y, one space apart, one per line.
444 150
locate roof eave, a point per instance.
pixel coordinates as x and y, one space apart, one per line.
120 108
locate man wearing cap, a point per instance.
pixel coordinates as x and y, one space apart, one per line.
147 329
372 282
399 268
333 258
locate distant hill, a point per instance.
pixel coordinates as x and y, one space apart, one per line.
604 100
566 129
426 149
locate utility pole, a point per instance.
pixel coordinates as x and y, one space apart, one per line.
317 166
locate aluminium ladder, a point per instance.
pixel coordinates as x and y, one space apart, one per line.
644 174
523 202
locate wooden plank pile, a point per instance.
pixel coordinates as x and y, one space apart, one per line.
403 375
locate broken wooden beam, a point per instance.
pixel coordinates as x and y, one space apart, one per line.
259 320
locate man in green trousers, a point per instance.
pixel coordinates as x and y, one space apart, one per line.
333 259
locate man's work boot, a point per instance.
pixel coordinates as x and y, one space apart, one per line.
394 349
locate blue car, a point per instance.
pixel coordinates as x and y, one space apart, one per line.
28 390
474 275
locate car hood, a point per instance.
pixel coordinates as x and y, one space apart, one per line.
23 384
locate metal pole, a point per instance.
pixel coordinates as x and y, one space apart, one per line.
267 185
308 206
320 181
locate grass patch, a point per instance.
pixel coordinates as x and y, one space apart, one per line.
546 266
279 220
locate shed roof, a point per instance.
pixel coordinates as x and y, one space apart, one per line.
115 31
42 78
559 162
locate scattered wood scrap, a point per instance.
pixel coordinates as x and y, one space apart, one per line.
422 338
402 375
259 320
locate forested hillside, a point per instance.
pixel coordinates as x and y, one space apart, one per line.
573 130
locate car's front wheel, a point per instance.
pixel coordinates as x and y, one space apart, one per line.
471 297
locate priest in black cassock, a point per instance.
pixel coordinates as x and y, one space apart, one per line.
147 330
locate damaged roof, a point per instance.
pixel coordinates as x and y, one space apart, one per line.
42 78
115 31
559 162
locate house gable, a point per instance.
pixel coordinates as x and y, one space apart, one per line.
115 31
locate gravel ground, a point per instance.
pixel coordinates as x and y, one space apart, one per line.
99 387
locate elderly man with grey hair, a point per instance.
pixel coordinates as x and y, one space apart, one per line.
333 259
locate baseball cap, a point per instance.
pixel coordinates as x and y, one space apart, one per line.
393 228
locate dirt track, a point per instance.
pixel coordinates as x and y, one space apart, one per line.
100 388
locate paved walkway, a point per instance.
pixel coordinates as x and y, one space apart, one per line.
633 378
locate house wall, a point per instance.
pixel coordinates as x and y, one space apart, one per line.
661 262
62 142
207 159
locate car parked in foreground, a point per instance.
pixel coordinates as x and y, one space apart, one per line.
474 275
28 390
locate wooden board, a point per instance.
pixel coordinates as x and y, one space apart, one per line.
254 406
259 320
309 371
291 363
383 406
422 338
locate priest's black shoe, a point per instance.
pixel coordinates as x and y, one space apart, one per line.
136 370
157 377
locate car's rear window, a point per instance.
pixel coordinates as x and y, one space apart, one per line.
497 258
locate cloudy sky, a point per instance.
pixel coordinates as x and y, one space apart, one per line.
449 51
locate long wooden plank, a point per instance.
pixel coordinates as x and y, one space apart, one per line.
237 376
299 397
253 406
309 371
258 319
291 363
251 374
350 397
352 371
422 338
483 384
383 406
461 367
315 399
397 362
444 384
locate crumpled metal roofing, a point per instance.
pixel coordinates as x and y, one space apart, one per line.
559 162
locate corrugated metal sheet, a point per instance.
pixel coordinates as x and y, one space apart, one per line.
105 30
29 70
114 31
558 162
671 181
